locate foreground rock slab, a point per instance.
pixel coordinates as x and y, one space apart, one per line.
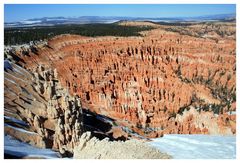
93 148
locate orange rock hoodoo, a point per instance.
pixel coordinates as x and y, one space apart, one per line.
161 83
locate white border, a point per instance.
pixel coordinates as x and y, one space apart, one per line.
2 2
1 79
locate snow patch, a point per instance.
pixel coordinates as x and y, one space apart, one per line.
20 129
30 22
21 149
16 121
197 146
11 81
19 69
7 65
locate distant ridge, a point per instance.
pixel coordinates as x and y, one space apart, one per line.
51 21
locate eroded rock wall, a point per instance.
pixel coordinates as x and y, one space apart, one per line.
146 83
38 110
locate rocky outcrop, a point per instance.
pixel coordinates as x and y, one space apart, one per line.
93 148
146 83
193 122
39 111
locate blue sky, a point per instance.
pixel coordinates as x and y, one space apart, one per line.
17 12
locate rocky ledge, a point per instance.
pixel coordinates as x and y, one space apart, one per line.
93 148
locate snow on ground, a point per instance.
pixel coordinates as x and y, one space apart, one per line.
30 22
7 65
17 121
19 129
20 149
197 146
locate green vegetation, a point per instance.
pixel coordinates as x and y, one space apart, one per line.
201 105
225 95
178 23
204 29
13 36
179 74
172 115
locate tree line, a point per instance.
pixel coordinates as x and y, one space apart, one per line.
21 35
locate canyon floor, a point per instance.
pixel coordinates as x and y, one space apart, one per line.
74 94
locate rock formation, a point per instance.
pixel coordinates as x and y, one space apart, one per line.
39 111
92 148
163 82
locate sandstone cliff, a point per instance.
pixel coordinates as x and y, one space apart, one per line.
37 110
164 82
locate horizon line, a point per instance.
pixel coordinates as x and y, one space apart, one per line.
233 13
